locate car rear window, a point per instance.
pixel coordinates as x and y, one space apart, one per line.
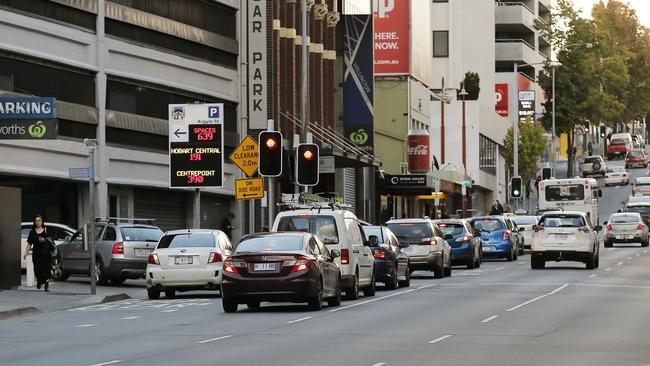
643 181
592 160
620 219
562 221
270 243
643 210
525 220
450 228
415 231
135 233
370 230
187 240
634 154
616 169
573 192
617 142
488 225
324 227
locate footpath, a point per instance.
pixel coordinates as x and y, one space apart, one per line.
73 293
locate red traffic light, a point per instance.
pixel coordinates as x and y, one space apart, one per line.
271 143
308 155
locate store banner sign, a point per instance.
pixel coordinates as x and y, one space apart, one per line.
358 80
257 65
28 129
501 105
526 105
27 108
392 36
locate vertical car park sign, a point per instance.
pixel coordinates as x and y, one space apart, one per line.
196 145
257 67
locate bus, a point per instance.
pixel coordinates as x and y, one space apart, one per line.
573 194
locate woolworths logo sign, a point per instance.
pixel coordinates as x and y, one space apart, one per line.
28 129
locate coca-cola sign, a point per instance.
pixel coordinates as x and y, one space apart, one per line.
418 151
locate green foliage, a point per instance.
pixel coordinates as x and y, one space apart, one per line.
532 144
472 84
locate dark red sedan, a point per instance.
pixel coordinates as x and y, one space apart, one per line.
280 267
636 158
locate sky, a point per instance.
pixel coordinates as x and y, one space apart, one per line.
642 8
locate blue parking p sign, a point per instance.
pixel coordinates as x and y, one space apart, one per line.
213 112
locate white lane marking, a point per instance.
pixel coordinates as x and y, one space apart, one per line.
85 325
645 251
439 339
527 302
500 268
628 258
299 320
130 318
521 262
106 363
487 320
169 311
610 249
379 364
522 284
608 269
638 254
559 289
593 275
617 187
619 263
215 339
612 286
426 286
377 299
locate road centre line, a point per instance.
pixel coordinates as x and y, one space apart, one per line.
612 286
638 254
619 263
378 298
106 363
608 269
645 250
521 262
85 325
379 364
500 268
169 311
130 318
527 302
487 320
593 275
610 249
299 320
559 289
440 339
215 339
628 258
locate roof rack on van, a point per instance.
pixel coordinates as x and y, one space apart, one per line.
134 220
314 206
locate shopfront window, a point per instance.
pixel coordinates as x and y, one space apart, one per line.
487 155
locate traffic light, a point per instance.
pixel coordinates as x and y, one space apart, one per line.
586 127
307 164
546 173
603 131
516 187
270 155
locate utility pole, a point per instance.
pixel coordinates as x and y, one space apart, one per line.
91 144
515 128
553 157
304 75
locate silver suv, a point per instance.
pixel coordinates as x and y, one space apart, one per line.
121 248
593 165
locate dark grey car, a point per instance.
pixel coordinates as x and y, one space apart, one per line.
121 250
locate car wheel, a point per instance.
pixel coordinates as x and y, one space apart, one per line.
521 250
353 292
537 263
100 275
57 270
591 262
597 264
336 299
315 302
472 262
170 294
514 253
153 293
478 262
438 270
253 305
371 289
608 244
229 306
645 243
447 271
510 256
407 279
118 280
391 283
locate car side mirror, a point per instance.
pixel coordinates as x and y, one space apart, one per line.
373 240
598 228
448 236
334 253
605 223
522 229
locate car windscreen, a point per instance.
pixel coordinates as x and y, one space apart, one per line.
622 219
415 231
451 228
322 226
643 210
488 225
270 243
643 181
372 230
135 233
572 192
187 240
525 220
562 221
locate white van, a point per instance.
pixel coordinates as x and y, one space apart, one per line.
338 229
625 136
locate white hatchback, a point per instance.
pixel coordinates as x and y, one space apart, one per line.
565 236
186 260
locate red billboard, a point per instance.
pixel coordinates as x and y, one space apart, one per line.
501 105
391 41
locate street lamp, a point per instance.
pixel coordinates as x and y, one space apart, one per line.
463 93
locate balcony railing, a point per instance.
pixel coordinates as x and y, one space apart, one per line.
515 40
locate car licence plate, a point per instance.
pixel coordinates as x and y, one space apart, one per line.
561 236
487 248
184 260
264 267
143 252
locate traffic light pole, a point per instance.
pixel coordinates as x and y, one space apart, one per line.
271 198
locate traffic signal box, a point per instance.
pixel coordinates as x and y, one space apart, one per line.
546 173
516 187
307 164
270 154
603 131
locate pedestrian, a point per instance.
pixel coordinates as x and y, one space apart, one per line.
494 210
590 148
226 225
499 208
537 180
41 245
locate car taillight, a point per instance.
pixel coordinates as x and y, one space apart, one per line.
379 254
153 259
302 264
640 227
538 228
609 227
506 235
345 256
118 248
215 257
229 266
584 229
463 238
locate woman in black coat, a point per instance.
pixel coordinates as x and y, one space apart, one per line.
41 245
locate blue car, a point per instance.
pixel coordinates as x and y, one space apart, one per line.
496 238
465 247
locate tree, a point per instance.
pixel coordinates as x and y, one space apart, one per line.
532 144
471 83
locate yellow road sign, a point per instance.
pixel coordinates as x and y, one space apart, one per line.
245 156
249 189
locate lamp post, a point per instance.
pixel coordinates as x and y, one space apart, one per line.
463 93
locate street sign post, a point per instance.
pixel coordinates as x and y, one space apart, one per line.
245 156
248 189
78 173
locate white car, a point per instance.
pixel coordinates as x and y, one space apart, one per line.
626 227
616 175
641 186
338 229
59 233
565 236
186 260
526 223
